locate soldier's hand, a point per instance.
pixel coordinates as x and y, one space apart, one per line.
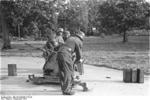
77 61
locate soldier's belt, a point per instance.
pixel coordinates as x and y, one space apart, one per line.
69 49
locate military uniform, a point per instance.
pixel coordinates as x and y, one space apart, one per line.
66 35
49 48
50 44
59 39
72 45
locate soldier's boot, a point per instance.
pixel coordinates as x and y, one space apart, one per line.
69 93
84 86
73 85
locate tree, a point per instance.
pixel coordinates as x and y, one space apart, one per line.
22 13
5 30
93 6
123 15
74 16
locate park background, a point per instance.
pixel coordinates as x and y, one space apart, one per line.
117 31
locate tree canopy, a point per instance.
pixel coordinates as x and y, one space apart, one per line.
33 17
122 15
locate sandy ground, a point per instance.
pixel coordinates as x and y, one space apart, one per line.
101 81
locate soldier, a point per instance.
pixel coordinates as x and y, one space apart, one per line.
66 35
59 37
50 45
65 62
49 49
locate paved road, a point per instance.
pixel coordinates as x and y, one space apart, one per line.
101 81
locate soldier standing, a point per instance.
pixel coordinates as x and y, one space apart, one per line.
72 45
66 35
59 37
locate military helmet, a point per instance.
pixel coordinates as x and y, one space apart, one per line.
60 30
81 34
66 33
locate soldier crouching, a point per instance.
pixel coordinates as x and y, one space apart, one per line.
65 62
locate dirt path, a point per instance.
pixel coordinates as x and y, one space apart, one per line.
101 81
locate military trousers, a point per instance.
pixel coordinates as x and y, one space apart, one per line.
66 71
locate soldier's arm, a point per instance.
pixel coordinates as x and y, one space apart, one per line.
78 52
61 41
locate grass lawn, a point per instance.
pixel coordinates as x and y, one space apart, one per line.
111 52
102 52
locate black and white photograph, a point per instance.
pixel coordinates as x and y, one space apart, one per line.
74 48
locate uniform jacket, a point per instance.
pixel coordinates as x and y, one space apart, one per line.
74 43
60 40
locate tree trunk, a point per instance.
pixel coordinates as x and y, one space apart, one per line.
125 37
19 32
5 32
